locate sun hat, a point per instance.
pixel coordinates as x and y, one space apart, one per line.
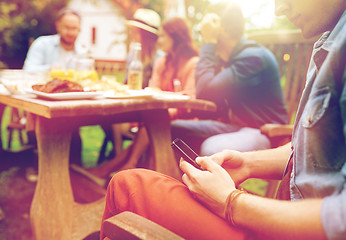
146 19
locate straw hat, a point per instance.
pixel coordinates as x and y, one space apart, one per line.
146 19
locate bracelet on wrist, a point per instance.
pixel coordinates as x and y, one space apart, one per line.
230 205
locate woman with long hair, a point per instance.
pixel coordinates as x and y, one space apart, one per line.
144 29
172 72
175 71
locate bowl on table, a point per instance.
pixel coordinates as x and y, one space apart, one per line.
18 81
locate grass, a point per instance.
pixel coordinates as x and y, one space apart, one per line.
256 186
4 132
92 140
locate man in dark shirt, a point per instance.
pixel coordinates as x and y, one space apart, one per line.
242 78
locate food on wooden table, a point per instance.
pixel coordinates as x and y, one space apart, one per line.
63 74
58 86
109 84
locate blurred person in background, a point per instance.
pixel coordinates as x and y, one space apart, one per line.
144 29
173 72
242 78
57 51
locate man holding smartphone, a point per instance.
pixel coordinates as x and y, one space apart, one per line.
313 164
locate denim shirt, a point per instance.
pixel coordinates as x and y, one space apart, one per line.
46 52
248 85
319 135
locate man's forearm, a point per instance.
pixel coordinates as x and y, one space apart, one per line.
268 164
205 70
274 219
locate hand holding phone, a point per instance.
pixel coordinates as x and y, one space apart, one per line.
185 152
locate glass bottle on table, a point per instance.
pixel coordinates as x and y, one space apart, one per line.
135 69
177 85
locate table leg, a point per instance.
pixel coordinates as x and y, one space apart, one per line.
52 206
54 214
157 123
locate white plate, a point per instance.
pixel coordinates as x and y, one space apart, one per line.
129 94
67 95
171 96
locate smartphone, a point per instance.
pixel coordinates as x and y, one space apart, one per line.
185 152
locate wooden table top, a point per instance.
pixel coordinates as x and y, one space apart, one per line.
103 107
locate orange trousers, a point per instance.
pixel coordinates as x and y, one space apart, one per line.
166 201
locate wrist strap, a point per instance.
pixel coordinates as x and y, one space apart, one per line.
229 205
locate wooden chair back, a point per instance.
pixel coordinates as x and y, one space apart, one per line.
130 226
108 67
293 53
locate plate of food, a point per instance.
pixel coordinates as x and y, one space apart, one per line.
63 90
67 95
171 96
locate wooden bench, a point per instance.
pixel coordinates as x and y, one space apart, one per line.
128 225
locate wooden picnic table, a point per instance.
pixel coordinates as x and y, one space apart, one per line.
54 214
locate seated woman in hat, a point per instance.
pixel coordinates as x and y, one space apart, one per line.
175 71
172 72
144 29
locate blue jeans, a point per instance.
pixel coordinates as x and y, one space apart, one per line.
244 140
217 136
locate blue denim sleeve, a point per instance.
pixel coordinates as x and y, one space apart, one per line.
333 211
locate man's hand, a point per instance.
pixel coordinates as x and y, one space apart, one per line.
210 28
211 187
233 162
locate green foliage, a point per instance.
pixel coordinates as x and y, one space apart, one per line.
195 11
282 23
15 144
92 139
156 5
20 22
